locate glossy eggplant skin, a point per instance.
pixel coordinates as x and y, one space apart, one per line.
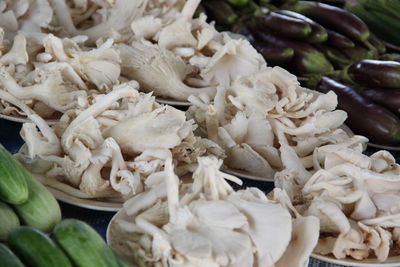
337 58
332 17
285 26
221 12
274 55
358 53
318 33
377 43
379 124
242 29
389 98
375 73
339 40
306 59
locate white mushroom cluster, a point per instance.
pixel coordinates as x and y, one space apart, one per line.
206 223
111 147
265 119
53 53
355 197
181 56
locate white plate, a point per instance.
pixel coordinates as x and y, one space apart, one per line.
22 120
85 203
173 102
119 215
390 262
114 240
246 175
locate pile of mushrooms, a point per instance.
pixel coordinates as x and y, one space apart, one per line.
51 59
206 223
355 197
89 63
265 119
112 146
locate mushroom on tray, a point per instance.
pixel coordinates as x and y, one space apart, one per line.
109 149
206 223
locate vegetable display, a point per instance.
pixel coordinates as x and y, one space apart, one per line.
8 258
314 39
36 248
364 116
99 70
84 245
324 37
9 221
74 243
39 209
13 179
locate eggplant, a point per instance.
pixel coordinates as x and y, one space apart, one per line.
274 55
390 57
306 60
364 117
339 40
377 43
221 12
358 53
334 55
284 26
241 29
375 73
332 17
318 33
389 98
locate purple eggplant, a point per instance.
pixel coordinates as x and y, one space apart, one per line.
318 33
306 60
221 12
389 98
358 53
390 57
332 17
375 73
364 117
377 43
241 29
284 26
274 55
334 55
339 40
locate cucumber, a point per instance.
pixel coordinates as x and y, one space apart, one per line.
8 258
13 186
84 245
42 210
8 219
36 249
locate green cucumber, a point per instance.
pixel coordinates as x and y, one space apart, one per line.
84 245
8 258
36 249
41 210
13 187
8 219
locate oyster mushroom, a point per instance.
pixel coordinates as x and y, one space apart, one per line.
158 70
